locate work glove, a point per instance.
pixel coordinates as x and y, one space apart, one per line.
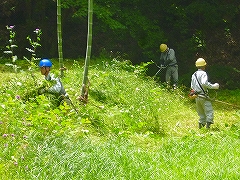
215 86
42 91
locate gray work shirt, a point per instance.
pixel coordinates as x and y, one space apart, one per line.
168 58
203 80
57 88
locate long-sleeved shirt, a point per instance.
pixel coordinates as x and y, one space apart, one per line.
168 58
57 88
203 80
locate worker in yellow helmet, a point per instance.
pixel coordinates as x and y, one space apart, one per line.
200 84
168 60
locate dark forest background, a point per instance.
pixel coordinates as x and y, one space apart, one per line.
133 30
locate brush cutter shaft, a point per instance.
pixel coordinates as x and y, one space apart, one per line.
227 103
73 106
69 102
160 69
156 64
214 100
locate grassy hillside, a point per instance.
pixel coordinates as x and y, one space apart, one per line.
131 128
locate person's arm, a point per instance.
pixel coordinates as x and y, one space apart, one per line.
170 57
161 61
56 88
207 84
194 83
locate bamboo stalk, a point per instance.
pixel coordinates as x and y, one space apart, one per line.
88 52
59 33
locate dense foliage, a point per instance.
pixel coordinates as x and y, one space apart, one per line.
127 26
134 30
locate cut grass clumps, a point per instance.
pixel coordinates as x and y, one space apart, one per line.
134 103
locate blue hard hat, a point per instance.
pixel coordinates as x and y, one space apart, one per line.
45 63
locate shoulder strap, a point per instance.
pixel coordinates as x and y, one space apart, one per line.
199 83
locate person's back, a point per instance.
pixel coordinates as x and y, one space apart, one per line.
200 84
57 87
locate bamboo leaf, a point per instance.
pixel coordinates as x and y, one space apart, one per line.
7 52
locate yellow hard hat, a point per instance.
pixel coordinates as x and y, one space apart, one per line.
200 62
163 47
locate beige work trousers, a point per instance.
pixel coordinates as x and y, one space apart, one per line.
204 110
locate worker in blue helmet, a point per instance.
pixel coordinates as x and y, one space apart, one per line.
57 88
45 63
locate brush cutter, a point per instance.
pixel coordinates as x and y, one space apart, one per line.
160 68
214 100
67 99
73 105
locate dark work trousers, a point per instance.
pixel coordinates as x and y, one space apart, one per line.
172 74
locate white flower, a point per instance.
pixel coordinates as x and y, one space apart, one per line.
19 83
14 58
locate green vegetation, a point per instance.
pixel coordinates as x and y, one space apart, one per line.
131 128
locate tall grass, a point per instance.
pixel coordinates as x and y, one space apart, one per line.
210 156
131 128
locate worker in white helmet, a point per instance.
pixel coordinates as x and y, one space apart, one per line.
168 60
200 84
